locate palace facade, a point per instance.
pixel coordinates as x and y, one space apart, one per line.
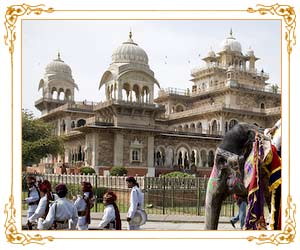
178 130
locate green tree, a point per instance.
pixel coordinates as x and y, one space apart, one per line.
37 139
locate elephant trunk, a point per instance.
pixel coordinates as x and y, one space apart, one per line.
212 213
213 204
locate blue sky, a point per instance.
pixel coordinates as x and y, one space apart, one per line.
174 48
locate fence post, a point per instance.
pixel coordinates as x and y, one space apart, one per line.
96 205
164 194
198 195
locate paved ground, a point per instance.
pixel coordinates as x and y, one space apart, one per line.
163 222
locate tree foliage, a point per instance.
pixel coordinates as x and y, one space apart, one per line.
37 139
177 174
87 170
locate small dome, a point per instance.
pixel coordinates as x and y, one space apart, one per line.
211 53
230 43
250 52
129 52
58 66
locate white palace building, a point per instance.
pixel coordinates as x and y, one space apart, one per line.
177 131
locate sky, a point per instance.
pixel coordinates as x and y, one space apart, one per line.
174 48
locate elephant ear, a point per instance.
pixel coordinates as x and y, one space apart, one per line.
249 169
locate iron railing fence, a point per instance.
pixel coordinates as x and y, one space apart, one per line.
163 195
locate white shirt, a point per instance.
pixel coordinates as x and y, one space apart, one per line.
108 216
41 208
276 140
61 210
80 203
33 196
136 201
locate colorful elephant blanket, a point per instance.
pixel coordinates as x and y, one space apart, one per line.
260 159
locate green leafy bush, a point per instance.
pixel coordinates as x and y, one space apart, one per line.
177 174
87 170
99 192
118 171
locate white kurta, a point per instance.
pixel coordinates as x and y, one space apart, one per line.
41 208
276 140
80 205
136 201
108 216
61 210
33 196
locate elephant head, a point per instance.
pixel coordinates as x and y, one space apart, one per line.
228 171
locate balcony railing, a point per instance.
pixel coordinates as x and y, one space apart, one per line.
219 107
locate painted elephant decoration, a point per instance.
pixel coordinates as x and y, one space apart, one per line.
245 164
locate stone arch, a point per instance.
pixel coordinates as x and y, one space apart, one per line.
199 127
192 127
214 127
54 93
179 108
211 158
232 123
262 106
61 94
68 95
203 158
136 93
195 157
186 127
183 155
145 94
160 156
169 157
126 88
226 126
180 128
63 126
81 122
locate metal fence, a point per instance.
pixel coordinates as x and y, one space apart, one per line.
163 195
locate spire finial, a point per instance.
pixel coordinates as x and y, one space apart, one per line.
130 34
230 32
58 55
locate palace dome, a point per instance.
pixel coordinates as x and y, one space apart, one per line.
58 66
129 52
230 43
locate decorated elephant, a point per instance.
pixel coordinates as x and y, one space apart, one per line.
245 164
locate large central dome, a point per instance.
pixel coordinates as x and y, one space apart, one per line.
231 43
129 52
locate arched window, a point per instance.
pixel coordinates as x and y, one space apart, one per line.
232 123
179 159
63 125
211 159
135 155
214 128
203 156
80 123
199 128
179 108
262 106
192 127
